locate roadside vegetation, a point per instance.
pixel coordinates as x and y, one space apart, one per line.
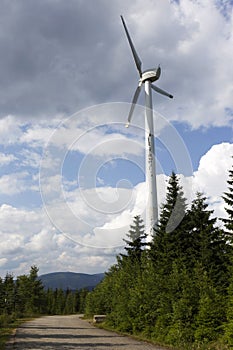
176 290
25 297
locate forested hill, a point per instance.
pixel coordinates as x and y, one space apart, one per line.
70 280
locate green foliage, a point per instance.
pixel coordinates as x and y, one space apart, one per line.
29 294
8 294
228 198
26 296
175 291
207 242
228 222
228 336
170 239
211 310
8 324
136 242
173 210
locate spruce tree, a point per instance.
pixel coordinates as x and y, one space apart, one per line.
228 199
169 237
211 313
23 293
130 293
9 294
228 223
2 296
83 293
30 293
50 301
119 294
59 304
37 291
69 303
173 210
206 241
136 243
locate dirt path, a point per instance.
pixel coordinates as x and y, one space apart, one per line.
70 332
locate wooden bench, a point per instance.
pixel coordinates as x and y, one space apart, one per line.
99 318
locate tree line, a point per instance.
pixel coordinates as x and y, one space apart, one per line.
176 289
26 296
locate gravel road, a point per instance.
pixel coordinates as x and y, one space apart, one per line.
70 332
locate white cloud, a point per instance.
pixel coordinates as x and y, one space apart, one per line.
11 244
195 50
20 221
212 175
43 241
14 183
36 136
6 158
30 158
10 131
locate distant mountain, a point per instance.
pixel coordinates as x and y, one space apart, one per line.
70 280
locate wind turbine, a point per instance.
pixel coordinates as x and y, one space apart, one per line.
147 77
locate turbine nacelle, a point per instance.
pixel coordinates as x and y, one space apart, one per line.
151 74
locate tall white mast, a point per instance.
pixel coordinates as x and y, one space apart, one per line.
146 78
151 185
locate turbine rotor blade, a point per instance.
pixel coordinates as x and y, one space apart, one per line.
160 91
134 101
135 55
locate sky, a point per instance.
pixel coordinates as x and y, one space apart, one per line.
72 177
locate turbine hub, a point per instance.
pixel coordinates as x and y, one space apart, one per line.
151 74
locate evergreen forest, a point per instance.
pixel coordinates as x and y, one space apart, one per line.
177 289
26 296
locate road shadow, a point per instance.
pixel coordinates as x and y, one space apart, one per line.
26 326
66 345
64 336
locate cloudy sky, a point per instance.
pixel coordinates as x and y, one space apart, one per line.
71 175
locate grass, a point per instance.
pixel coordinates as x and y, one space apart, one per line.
211 346
140 337
7 330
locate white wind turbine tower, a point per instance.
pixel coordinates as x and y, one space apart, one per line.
147 77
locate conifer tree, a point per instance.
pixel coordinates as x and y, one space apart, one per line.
2 297
82 299
59 301
23 293
37 291
30 293
228 223
211 310
77 301
228 199
169 237
9 294
69 303
120 294
173 210
50 301
206 241
136 242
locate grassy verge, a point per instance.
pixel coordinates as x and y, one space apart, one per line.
7 330
210 346
140 337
